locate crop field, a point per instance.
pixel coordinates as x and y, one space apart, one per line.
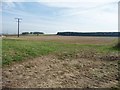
60 62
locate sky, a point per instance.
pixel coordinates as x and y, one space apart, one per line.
52 16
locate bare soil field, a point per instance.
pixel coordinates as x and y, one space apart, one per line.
83 70
70 39
49 71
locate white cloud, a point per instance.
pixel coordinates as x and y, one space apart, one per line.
61 0
107 8
77 15
75 4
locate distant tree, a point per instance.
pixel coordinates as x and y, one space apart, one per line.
37 33
31 32
25 33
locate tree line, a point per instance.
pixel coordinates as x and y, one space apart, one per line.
36 33
114 34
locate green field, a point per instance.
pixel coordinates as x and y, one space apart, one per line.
17 50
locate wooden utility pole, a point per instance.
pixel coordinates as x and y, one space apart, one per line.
18 20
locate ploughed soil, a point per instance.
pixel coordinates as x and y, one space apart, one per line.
82 70
52 71
70 39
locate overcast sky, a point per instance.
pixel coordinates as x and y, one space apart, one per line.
52 16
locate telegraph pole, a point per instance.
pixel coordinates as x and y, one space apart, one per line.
18 20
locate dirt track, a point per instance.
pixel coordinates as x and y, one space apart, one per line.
49 71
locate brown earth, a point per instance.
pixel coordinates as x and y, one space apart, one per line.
82 71
70 39
49 71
